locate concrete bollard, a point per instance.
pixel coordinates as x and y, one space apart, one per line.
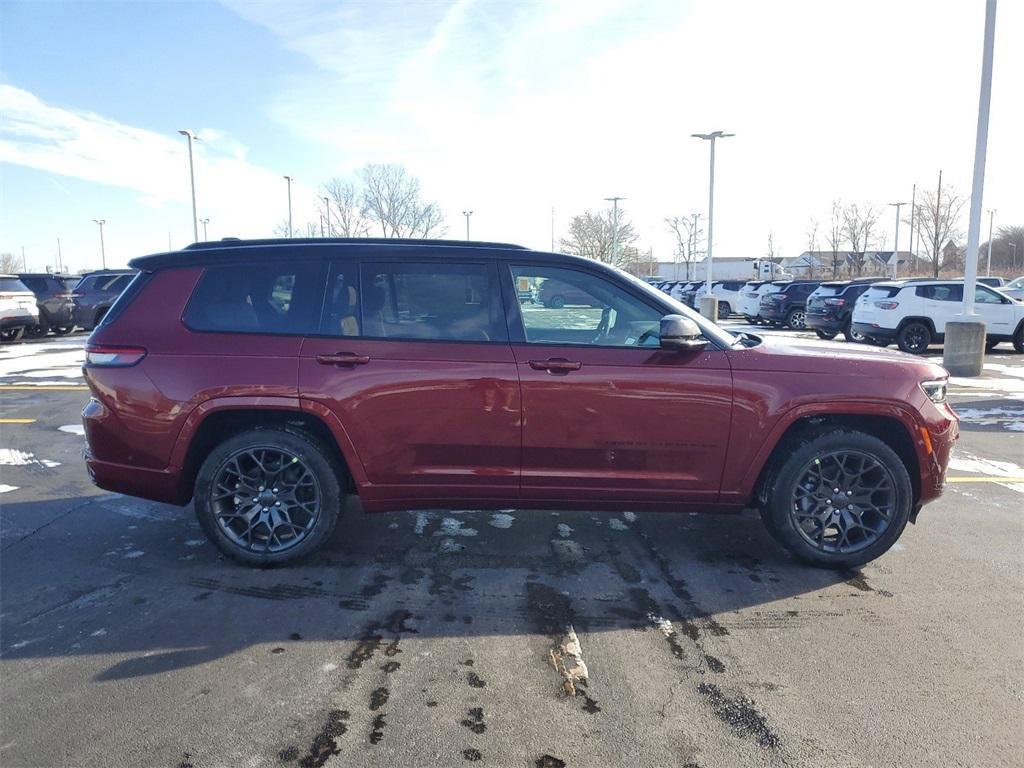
964 347
709 307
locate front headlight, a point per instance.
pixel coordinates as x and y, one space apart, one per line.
935 389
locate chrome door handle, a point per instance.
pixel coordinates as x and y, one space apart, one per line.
343 358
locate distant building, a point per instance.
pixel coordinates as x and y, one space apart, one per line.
819 263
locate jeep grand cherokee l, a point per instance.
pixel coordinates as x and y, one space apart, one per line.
265 379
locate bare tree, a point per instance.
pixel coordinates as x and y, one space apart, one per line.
392 202
834 236
812 246
858 225
347 218
1007 249
9 264
938 216
590 235
688 233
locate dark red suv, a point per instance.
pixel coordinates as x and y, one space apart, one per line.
265 379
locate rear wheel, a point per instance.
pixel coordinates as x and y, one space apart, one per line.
64 330
796 319
914 338
840 499
12 334
824 334
268 496
1018 339
724 310
555 302
852 335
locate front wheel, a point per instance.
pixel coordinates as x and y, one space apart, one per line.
796 319
724 310
1018 339
914 338
267 496
853 336
839 500
824 335
12 334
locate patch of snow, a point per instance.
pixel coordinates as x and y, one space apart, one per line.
999 416
21 644
617 525
60 364
501 520
453 527
133 554
7 488
630 516
450 545
422 519
329 667
564 530
1015 426
1009 370
975 464
99 633
73 429
1003 386
12 457
393 526
662 624
195 542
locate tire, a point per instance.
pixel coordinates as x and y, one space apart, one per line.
751 320
991 344
876 341
12 334
724 310
824 335
555 302
64 330
853 336
222 519
796 319
914 337
1018 339
810 463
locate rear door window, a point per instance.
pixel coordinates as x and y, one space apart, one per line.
429 301
952 292
273 298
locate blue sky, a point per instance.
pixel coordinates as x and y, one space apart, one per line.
508 108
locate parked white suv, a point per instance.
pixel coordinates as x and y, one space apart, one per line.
726 291
748 302
914 313
18 310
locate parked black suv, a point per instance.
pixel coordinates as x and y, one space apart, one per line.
53 297
95 294
830 307
787 306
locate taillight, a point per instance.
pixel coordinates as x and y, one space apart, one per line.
113 357
835 302
887 304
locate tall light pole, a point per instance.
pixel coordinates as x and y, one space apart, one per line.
204 222
615 228
103 248
711 193
192 178
896 242
327 209
1013 255
910 243
988 267
289 180
963 350
467 214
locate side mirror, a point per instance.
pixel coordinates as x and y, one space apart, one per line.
681 334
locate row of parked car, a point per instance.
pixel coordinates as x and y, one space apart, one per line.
910 313
37 303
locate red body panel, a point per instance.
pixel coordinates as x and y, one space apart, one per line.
466 424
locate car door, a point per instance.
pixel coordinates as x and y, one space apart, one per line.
413 359
608 416
939 302
996 311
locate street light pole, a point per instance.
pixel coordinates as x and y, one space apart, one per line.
615 228
192 178
204 222
467 214
988 267
1013 255
711 194
289 180
896 242
327 210
103 248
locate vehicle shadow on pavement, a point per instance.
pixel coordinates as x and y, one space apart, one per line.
138 582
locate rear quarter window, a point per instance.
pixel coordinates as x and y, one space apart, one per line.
271 298
883 293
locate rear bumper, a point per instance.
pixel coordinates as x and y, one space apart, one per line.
775 312
64 315
18 321
875 331
826 323
162 485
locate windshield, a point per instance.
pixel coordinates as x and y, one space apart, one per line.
1018 283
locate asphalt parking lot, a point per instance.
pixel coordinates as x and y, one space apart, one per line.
501 638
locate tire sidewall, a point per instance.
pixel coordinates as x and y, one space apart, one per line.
307 450
780 495
901 339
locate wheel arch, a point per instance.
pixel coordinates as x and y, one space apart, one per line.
926 321
215 421
888 428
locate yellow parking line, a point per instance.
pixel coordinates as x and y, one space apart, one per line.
985 479
17 421
30 388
